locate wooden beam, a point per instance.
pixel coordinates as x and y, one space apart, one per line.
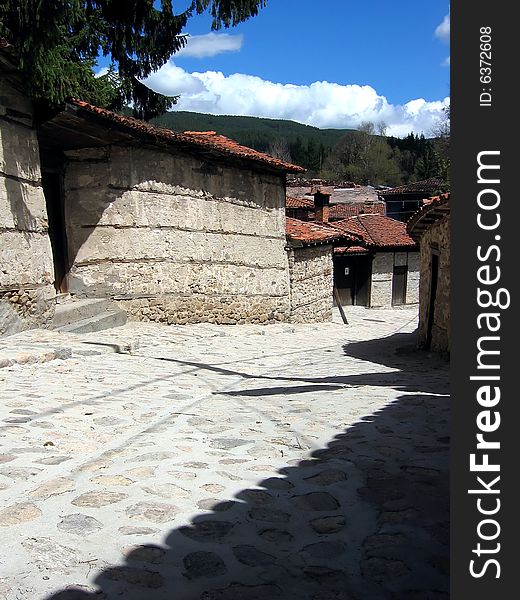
338 302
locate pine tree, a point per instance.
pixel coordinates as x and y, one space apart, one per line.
58 41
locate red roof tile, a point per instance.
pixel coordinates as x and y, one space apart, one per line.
298 203
377 230
308 232
351 209
200 140
350 250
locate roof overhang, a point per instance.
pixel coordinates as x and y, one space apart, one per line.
76 126
427 216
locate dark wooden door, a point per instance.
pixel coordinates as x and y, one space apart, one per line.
363 276
399 285
433 294
352 280
344 280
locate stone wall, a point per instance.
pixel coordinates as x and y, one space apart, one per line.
382 273
176 239
413 277
310 271
26 266
436 238
382 277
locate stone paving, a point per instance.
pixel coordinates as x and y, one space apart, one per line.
228 463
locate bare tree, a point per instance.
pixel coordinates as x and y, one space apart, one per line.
279 148
382 128
441 132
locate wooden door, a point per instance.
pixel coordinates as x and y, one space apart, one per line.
433 295
399 285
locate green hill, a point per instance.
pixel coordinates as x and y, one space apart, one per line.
255 132
392 160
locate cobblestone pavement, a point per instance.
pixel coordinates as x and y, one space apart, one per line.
228 463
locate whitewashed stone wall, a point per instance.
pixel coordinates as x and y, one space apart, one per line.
176 239
26 266
413 278
382 273
437 236
311 275
382 277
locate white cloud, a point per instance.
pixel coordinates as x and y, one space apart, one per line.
322 104
442 32
211 44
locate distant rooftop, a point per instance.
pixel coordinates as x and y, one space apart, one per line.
377 230
426 187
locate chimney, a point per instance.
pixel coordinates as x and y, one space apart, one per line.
321 204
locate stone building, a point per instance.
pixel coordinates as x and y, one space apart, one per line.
430 226
375 261
310 249
382 269
170 227
173 227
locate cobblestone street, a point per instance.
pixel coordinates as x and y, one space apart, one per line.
227 463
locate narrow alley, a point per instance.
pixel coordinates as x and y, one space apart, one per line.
227 463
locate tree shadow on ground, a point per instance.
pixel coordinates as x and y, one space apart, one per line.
365 518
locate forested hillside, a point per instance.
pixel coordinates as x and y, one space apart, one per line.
364 156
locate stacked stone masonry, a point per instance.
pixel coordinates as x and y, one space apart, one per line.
311 275
436 239
175 239
26 267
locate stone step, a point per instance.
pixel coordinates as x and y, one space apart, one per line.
104 320
76 310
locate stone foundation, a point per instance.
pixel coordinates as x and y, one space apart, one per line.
200 308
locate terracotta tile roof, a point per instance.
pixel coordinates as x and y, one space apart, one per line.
426 186
309 233
351 209
298 203
436 209
207 141
377 231
350 250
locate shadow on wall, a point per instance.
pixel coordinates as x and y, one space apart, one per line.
18 191
365 518
100 179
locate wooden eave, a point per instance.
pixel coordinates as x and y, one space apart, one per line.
74 128
426 217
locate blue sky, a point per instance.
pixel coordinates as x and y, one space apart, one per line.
329 64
